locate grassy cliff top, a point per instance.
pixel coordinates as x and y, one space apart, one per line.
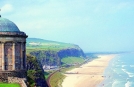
40 44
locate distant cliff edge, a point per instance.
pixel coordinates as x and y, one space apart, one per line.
50 53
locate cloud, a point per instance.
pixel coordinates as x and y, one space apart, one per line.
7 8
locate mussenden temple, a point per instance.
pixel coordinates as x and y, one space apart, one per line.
12 52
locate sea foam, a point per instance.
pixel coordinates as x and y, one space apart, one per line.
128 84
115 83
129 73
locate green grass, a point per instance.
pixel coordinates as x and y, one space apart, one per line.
69 68
48 73
72 60
57 79
47 45
9 85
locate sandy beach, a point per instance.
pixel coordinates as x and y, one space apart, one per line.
89 74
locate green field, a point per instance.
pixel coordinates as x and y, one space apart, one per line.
34 44
57 79
31 48
72 60
9 85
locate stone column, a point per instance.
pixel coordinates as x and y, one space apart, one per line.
24 55
13 56
3 57
21 55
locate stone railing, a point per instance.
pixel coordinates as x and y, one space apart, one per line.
21 81
23 84
14 77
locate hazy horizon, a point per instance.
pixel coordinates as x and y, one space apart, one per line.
94 25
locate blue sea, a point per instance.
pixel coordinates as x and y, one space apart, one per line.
120 72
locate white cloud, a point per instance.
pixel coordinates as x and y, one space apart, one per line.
7 8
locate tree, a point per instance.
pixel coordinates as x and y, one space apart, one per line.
35 73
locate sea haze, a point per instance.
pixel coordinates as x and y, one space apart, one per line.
120 72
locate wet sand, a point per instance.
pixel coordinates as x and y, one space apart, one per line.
89 74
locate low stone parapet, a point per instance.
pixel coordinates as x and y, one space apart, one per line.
14 77
21 81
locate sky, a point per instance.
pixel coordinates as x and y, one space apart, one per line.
94 25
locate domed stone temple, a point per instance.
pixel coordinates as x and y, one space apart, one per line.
12 51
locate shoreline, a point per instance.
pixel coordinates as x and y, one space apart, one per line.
89 74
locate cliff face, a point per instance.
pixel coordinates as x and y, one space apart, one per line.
46 57
53 58
73 52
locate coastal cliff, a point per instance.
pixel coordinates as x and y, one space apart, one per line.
44 55
50 53
53 58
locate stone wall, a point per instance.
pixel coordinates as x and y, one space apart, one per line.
21 81
14 77
5 75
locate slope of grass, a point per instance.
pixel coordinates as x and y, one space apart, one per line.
57 79
40 44
49 47
9 85
72 60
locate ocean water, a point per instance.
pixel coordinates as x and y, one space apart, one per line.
120 72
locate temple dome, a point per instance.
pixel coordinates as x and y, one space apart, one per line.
8 26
